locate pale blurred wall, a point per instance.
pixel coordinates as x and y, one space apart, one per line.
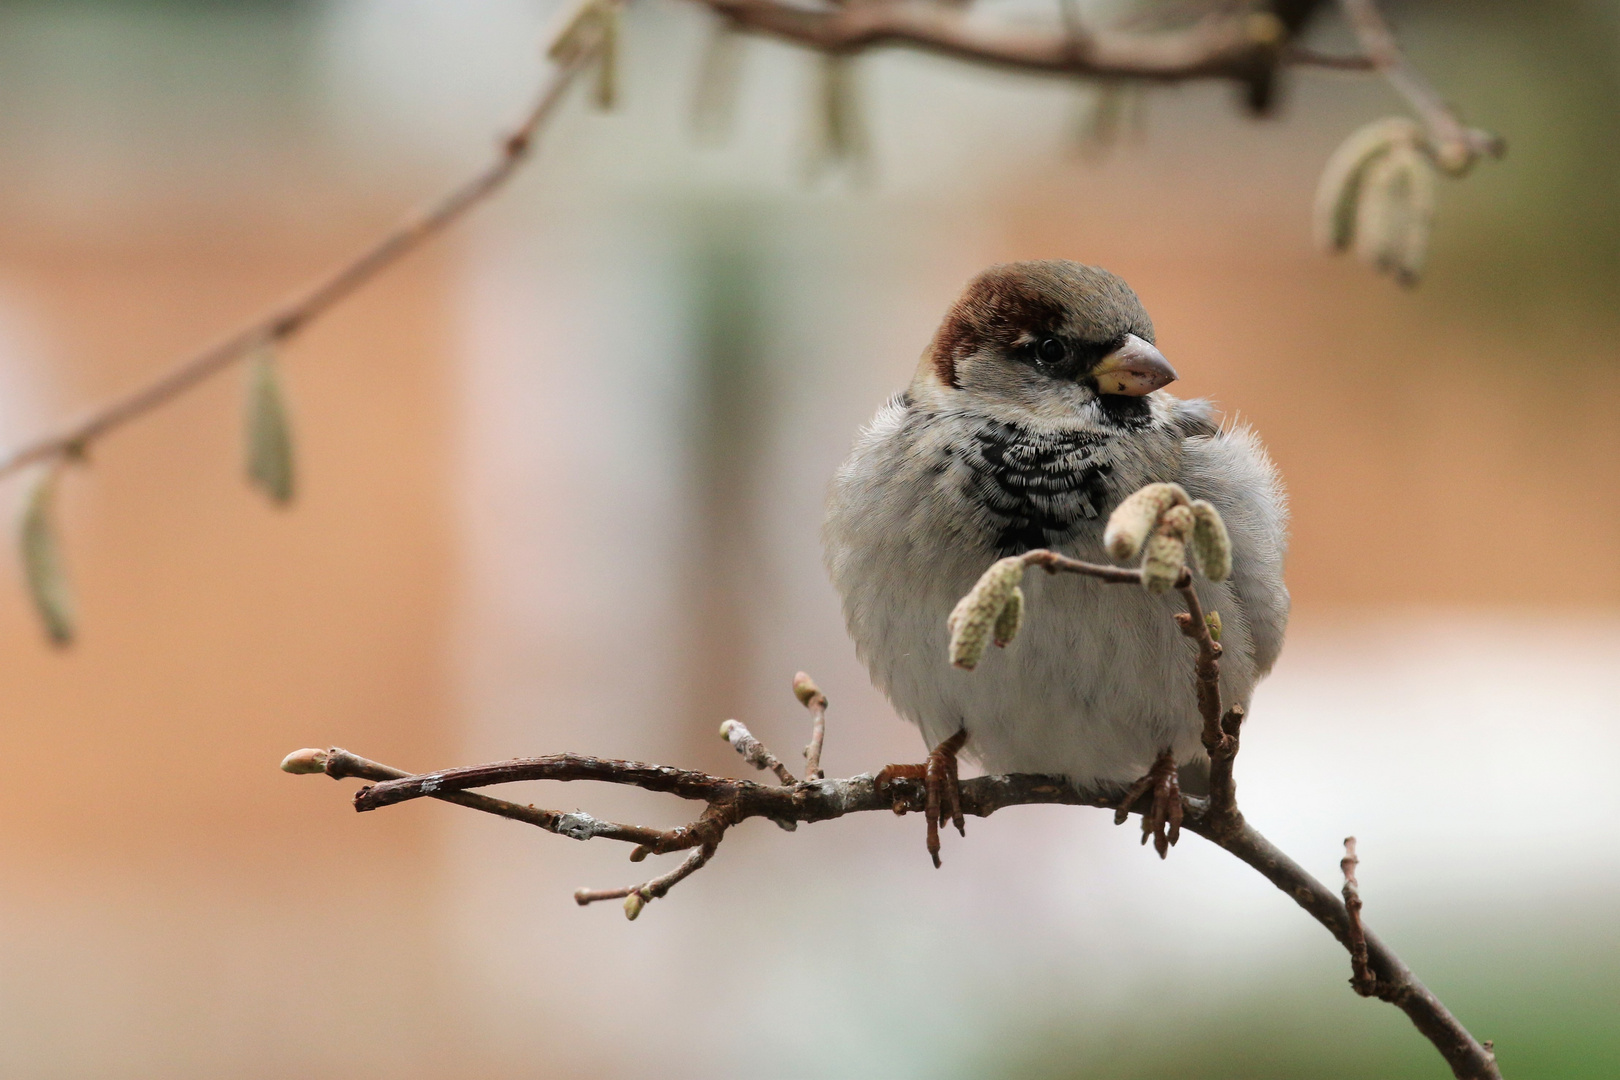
561 489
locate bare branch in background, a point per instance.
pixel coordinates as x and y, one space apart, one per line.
1229 48
286 319
1457 146
1245 47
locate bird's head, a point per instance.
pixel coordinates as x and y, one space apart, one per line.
1056 340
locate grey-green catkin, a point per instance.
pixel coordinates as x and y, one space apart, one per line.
1166 553
593 26
840 131
1110 110
1134 519
975 620
1339 192
1211 545
42 561
572 38
1395 215
607 64
1011 619
268 434
714 100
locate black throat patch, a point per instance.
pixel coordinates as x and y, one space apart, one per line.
1038 488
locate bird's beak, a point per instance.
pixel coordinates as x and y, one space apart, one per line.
1133 369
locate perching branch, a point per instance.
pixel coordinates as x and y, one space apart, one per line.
1175 534
1245 48
729 802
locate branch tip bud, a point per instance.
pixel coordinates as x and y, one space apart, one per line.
300 762
805 689
1454 157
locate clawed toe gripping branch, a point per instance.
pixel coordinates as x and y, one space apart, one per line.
942 789
1171 530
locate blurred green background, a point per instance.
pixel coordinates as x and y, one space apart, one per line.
562 478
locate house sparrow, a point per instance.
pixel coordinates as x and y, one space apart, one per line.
1034 411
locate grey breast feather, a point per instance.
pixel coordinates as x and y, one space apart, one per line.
1231 469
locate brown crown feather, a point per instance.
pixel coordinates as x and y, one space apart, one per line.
1046 297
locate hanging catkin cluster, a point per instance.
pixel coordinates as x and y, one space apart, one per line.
1159 521
1377 195
1169 525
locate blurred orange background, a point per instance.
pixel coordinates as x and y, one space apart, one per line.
560 485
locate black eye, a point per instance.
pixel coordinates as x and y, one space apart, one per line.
1050 351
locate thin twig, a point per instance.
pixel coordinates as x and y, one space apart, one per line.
1456 146
636 896
1231 48
296 312
1053 563
1223 806
340 764
662 778
753 751
1361 973
705 833
1469 1060
1307 57
1207 668
811 697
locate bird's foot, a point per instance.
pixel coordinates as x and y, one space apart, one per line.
941 786
1162 820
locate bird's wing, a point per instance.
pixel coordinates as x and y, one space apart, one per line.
1230 468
